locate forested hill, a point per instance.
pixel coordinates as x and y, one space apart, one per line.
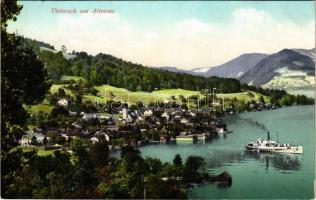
107 69
35 44
104 68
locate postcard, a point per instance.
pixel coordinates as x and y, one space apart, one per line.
157 99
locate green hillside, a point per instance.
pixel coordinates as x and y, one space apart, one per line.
107 92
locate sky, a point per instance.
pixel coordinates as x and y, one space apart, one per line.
179 34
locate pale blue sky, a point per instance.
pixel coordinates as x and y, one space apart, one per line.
188 28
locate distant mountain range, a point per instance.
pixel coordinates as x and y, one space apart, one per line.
233 68
286 69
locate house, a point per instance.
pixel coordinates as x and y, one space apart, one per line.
164 139
63 102
71 113
94 140
165 115
224 177
148 113
125 113
90 116
32 137
192 114
112 128
76 125
103 134
184 121
65 136
129 120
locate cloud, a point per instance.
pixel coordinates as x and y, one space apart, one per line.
150 35
186 44
194 26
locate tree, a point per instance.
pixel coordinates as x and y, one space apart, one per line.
33 140
56 64
58 139
45 141
9 11
63 49
23 81
177 161
261 99
78 102
77 68
99 153
194 169
61 92
59 111
287 100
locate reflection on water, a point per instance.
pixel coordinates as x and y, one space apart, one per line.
278 161
218 158
286 162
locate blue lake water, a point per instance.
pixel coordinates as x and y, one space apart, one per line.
254 175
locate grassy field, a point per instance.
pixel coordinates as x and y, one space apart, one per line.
41 107
75 78
107 92
40 150
55 88
124 95
176 92
121 94
246 96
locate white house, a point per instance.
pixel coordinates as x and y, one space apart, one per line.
63 102
125 113
90 116
102 133
27 139
148 113
94 140
192 114
165 115
184 121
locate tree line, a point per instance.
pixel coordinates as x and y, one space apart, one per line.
107 69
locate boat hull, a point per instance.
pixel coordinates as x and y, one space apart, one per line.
293 150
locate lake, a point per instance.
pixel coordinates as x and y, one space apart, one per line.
254 175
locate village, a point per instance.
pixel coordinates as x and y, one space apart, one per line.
134 127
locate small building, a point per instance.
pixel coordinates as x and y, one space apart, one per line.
63 102
164 139
184 121
76 125
224 177
148 113
124 113
94 140
103 134
90 116
30 137
165 115
201 137
186 137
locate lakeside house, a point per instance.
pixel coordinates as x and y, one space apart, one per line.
32 138
184 136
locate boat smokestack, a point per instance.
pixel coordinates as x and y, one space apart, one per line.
268 135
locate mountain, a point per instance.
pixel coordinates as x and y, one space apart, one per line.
200 70
307 52
233 68
286 63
